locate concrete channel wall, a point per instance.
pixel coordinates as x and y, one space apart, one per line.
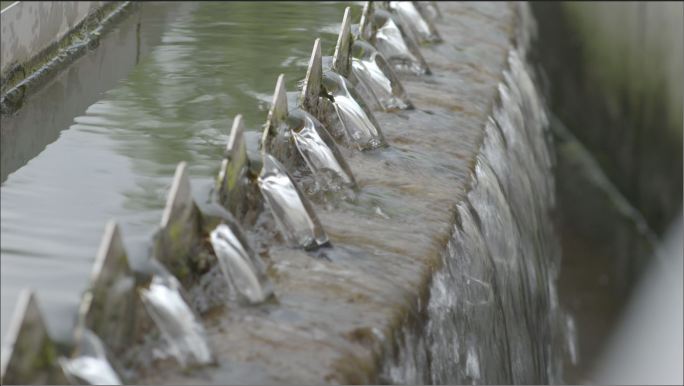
342 314
28 28
40 39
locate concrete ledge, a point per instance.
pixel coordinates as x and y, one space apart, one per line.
342 324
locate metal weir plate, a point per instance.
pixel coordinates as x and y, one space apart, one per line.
342 57
180 226
231 183
28 354
109 308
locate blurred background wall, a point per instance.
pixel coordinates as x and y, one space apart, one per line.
616 71
613 75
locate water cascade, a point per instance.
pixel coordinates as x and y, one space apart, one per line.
241 268
417 24
293 212
90 366
370 67
341 63
311 140
379 28
367 69
495 297
320 151
355 120
177 322
429 10
349 118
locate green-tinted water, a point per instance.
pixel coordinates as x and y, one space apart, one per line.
115 159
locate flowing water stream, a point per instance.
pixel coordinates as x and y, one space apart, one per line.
493 313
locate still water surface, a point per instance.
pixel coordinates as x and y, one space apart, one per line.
193 67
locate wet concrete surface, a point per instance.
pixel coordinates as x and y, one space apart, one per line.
335 315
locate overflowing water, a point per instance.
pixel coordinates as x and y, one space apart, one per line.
389 40
357 122
493 314
177 322
364 87
91 365
320 151
241 269
292 211
429 9
370 68
416 25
